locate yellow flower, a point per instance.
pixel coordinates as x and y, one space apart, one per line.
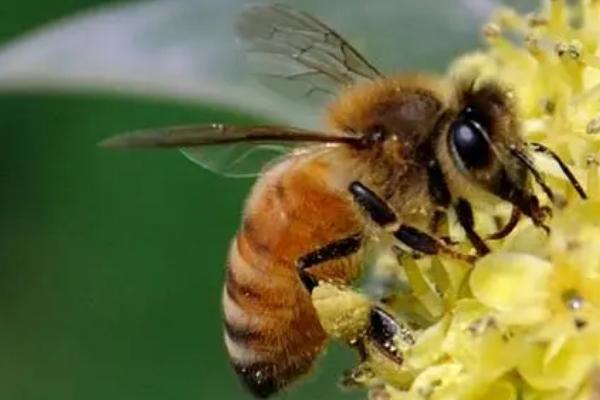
554 301
476 339
526 290
514 285
559 286
557 366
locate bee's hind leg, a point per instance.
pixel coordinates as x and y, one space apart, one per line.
381 213
338 249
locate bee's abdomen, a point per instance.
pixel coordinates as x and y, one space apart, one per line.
272 332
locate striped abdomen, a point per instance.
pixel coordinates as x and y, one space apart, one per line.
272 332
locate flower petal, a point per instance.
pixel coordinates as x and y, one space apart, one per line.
428 347
576 238
437 382
565 370
422 288
474 339
501 390
513 284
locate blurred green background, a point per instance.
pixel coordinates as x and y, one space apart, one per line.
111 263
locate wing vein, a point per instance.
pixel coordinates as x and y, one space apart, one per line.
302 47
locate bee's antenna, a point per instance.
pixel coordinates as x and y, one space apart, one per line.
540 148
534 171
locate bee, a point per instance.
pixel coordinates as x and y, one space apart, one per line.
401 150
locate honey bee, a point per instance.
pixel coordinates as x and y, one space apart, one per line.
401 150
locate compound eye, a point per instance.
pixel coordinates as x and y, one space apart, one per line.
469 141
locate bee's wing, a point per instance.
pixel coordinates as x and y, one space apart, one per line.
227 150
294 46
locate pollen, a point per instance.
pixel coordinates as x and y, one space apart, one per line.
524 321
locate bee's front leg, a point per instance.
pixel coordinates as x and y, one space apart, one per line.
382 214
335 250
515 216
464 212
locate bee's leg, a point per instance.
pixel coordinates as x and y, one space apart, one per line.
515 216
464 212
379 211
436 221
384 330
427 244
440 194
383 215
332 251
434 227
540 148
381 333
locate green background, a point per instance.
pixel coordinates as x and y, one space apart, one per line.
111 263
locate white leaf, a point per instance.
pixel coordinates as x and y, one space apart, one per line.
185 49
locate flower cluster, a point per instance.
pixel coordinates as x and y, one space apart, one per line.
524 321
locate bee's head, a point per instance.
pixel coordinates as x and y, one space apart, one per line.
481 152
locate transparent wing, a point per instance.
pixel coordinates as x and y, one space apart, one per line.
232 151
288 44
239 160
